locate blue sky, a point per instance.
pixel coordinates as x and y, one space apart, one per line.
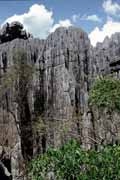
98 18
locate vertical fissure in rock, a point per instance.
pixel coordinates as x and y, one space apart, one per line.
51 98
24 112
77 111
86 69
93 130
4 61
7 101
67 59
39 101
26 129
43 142
77 97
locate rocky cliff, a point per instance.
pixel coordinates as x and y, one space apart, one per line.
65 65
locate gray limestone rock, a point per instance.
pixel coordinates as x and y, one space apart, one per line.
65 67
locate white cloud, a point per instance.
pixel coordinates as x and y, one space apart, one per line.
98 35
38 20
94 18
62 23
85 17
75 17
111 8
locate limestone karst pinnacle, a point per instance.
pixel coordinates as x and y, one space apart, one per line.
65 67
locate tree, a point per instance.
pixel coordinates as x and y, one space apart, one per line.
72 162
106 93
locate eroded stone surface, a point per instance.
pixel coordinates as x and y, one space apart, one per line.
66 65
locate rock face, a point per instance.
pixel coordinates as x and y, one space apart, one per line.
65 65
10 121
66 69
105 60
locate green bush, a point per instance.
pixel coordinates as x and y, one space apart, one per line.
106 93
71 162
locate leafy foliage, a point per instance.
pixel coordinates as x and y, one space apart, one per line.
71 162
106 93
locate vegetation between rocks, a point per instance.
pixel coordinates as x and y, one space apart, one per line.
106 93
71 162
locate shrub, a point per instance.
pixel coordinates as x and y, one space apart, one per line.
106 93
71 162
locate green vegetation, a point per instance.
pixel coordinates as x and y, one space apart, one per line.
71 162
106 93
